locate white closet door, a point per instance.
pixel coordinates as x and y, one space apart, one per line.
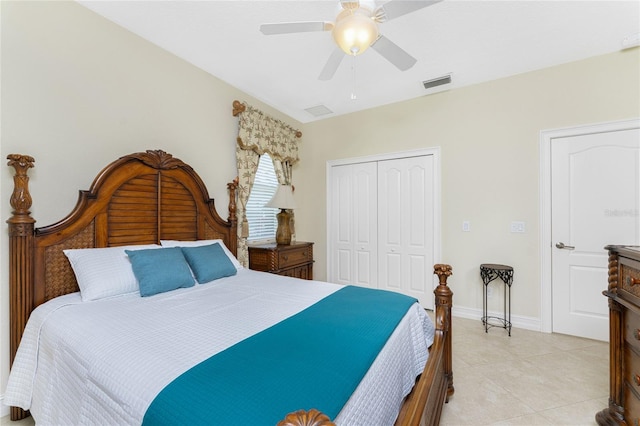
353 243
405 227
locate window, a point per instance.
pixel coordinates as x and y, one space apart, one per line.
262 220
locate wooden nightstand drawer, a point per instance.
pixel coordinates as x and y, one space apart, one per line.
295 260
297 256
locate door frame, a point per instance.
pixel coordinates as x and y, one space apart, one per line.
437 185
546 244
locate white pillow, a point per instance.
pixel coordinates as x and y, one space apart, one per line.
197 243
104 272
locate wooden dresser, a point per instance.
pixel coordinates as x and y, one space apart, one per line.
295 260
624 337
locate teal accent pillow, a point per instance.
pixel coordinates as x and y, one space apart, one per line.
160 270
209 262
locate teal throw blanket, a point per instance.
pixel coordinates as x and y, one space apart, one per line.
314 359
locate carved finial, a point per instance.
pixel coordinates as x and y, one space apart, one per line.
443 271
20 162
238 108
444 297
312 417
20 198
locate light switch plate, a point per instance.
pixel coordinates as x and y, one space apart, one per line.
517 227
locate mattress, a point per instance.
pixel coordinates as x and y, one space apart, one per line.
103 362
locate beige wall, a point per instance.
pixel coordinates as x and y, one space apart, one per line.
489 138
79 91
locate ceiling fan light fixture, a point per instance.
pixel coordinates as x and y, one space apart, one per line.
355 31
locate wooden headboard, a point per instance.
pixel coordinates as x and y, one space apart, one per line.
140 198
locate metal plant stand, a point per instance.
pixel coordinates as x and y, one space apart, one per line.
490 272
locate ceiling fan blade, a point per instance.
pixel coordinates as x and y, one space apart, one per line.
332 65
295 27
393 53
396 8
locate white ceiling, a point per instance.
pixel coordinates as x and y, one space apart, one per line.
474 41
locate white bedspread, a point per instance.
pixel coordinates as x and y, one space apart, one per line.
103 362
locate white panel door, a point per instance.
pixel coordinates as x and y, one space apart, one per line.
405 227
353 243
595 201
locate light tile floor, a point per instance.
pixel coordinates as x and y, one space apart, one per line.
6 421
529 378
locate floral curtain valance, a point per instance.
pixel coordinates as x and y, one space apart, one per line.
262 133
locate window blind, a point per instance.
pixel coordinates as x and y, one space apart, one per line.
262 220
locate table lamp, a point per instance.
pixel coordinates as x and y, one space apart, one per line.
283 200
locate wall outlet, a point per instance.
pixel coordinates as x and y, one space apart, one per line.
517 227
466 226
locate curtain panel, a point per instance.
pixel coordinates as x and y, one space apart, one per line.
259 133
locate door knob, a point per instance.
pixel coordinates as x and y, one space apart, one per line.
563 246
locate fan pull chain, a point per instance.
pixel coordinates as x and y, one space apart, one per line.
353 83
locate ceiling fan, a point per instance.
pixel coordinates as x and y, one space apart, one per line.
356 29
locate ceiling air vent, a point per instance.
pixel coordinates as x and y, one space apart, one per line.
318 110
428 84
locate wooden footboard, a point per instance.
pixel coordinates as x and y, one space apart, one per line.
433 388
423 406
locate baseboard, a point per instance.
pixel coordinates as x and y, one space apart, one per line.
517 321
4 410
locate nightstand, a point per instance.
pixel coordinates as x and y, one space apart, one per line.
294 260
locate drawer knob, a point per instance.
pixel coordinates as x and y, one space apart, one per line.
636 333
304 253
633 281
285 257
637 379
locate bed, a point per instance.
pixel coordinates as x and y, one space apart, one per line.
150 203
